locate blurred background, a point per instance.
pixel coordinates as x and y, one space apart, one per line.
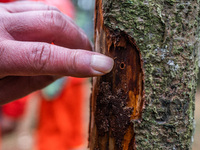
27 122
57 117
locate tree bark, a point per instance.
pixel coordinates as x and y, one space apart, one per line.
147 101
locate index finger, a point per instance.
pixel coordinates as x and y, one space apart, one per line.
47 26
22 6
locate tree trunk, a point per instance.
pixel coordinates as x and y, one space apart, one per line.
147 101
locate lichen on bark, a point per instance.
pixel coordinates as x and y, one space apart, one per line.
166 33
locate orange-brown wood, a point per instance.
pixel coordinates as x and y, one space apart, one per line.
117 98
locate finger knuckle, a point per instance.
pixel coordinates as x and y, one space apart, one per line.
74 60
2 49
3 46
52 8
40 55
55 20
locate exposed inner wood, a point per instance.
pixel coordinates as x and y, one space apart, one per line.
117 98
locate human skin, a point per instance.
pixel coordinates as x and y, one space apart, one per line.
28 60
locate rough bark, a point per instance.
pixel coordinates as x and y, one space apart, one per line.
147 101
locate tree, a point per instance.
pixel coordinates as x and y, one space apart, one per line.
147 101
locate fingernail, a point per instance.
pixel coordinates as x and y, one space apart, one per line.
101 64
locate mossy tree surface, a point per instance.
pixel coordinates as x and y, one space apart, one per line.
147 101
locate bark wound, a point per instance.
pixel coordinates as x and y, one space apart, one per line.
117 97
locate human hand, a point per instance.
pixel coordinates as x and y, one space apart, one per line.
28 60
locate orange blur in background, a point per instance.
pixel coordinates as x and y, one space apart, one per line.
60 120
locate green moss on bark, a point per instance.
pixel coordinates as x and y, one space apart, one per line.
166 32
